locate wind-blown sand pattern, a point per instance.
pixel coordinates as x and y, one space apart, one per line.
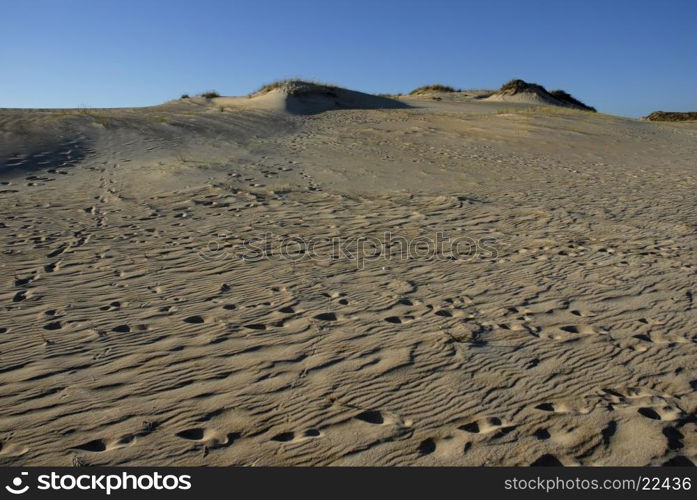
133 331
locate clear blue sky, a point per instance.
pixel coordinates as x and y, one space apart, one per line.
624 57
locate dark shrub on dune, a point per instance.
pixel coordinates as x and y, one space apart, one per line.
295 86
517 86
435 87
671 116
569 99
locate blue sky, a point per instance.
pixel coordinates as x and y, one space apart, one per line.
623 57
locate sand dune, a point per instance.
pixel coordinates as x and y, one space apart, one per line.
304 98
672 116
141 327
532 93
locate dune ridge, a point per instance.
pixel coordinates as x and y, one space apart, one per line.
304 98
532 93
672 116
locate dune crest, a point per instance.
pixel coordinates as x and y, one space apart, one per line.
532 93
672 116
300 97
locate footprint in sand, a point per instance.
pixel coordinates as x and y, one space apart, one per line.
487 426
12 450
113 306
194 320
328 316
102 445
288 436
547 460
211 438
371 417
427 446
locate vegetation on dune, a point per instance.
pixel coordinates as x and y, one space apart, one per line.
184 96
516 86
549 109
435 87
296 86
268 87
671 116
210 94
567 98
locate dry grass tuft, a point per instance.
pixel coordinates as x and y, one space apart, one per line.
516 86
435 87
211 94
671 116
296 86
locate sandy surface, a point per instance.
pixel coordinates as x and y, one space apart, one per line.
138 327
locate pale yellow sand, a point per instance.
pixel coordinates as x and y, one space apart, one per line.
133 333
